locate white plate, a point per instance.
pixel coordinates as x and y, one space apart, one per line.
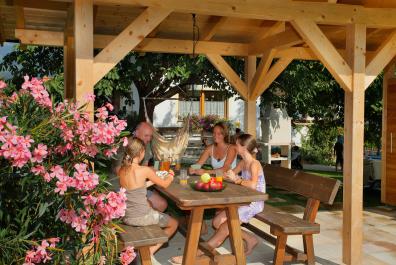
195 166
162 174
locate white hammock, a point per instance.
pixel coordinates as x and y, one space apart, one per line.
169 148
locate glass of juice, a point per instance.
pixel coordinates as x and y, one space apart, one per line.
183 177
219 175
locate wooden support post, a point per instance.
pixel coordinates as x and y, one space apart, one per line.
353 147
69 64
69 67
202 104
250 104
83 43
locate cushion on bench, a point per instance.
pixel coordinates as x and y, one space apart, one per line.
285 222
141 236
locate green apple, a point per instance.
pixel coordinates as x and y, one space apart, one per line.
205 177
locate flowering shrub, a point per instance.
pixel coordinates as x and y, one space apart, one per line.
207 122
48 186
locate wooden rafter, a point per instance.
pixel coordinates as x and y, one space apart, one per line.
260 73
384 54
44 4
323 13
281 40
271 75
128 39
210 31
325 51
228 73
265 32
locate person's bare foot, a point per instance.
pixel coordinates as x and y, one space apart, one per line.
251 243
179 259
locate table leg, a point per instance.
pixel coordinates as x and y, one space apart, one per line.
193 233
234 226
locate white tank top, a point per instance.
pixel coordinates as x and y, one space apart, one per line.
220 163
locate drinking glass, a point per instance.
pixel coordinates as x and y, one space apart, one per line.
219 175
183 177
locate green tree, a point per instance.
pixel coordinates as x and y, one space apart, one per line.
154 74
307 89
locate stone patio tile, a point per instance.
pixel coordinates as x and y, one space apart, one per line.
386 257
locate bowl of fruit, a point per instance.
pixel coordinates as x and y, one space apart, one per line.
207 184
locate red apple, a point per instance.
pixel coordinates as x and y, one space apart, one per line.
220 185
206 187
199 185
214 185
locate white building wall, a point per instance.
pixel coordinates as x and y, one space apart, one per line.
236 112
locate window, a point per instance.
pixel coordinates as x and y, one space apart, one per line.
187 107
214 108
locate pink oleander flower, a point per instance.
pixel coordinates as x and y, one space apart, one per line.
110 152
67 216
37 90
39 254
109 106
127 255
102 113
39 153
53 241
111 206
2 84
16 149
38 170
89 97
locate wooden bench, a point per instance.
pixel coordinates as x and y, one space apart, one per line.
316 189
141 238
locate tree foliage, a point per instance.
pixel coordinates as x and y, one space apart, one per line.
307 89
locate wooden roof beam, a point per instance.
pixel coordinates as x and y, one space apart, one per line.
321 13
52 38
228 73
271 75
281 40
44 4
128 39
384 54
261 72
325 51
278 27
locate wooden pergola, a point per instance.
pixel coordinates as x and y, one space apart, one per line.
354 39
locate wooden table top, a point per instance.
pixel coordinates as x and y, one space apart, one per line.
185 196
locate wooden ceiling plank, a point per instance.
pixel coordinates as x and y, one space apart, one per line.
321 13
211 30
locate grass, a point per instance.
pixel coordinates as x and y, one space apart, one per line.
371 198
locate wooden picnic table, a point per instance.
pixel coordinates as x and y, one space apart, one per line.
229 199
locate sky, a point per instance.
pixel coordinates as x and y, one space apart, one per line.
4 50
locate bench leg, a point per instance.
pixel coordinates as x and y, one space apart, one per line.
145 256
280 247
309 249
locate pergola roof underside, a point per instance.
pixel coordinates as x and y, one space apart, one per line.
111 20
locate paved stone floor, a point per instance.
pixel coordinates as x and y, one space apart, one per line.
379 239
